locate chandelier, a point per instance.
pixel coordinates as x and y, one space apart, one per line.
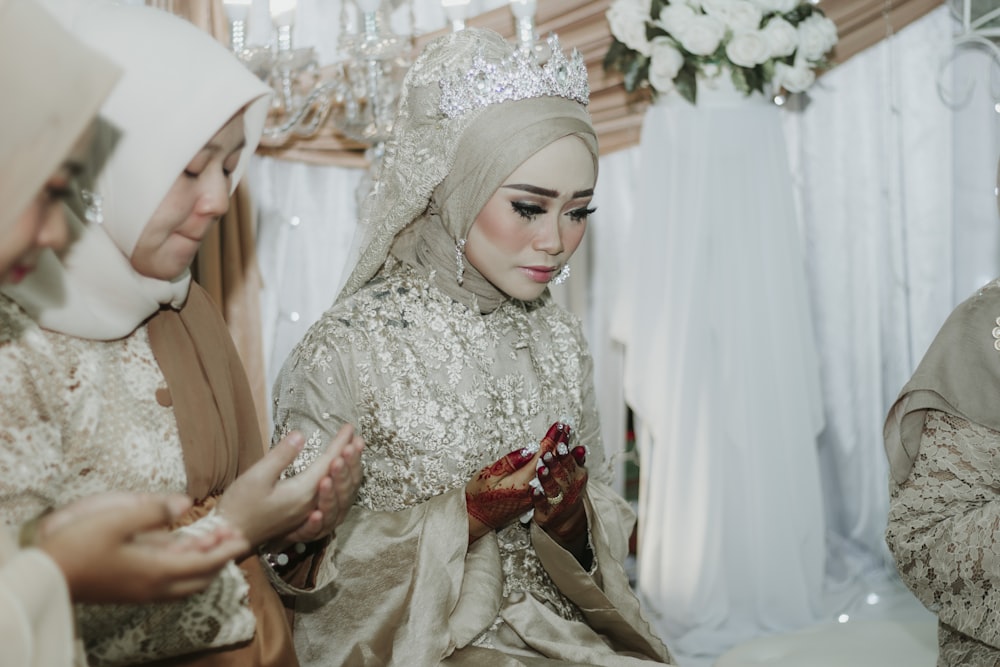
356 96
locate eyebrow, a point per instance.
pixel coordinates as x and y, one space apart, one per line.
545 192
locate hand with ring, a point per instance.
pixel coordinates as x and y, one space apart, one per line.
558 494
499 493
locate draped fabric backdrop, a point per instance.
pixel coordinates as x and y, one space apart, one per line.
895 194
722 372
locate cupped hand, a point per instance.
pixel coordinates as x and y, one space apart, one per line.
269 509
113 547
336 491
558 495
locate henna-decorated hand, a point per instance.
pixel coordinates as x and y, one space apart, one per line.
498 494
558 496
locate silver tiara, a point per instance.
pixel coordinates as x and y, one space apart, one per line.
516 77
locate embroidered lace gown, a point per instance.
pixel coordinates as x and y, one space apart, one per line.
438 391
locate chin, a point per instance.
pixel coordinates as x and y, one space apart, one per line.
527 293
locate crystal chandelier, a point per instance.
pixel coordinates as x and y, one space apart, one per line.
356 96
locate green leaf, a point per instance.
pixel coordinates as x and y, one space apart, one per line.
636 73
755 79
686 83
739 78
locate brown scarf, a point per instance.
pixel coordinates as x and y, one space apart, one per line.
221 438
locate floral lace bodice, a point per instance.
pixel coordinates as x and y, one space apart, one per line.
439 391
79 417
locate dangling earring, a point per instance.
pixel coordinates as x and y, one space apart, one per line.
460 260
562 276
94 211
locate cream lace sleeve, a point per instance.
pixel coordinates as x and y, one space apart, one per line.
944 525
118 635
49 457
305 401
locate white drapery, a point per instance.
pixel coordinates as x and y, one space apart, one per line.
722 373
894 190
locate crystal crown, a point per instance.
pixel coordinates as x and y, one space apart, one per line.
516 77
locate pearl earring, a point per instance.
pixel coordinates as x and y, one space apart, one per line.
562 276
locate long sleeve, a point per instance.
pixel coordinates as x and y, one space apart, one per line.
80 417
124 634
36 620
944 531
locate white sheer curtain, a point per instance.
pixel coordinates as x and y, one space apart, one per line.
895 197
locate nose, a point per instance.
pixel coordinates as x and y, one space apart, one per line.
54 231
548 238
213 200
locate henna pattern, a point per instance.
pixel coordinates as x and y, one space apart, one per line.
494 505
497 507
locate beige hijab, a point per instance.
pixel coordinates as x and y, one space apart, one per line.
959 374
439 172
53 86
179 88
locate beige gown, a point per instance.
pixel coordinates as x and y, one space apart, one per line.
438 391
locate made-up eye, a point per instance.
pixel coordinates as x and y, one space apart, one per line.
527 210
580 214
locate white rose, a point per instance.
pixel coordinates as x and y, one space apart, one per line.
748 49
665 62
793 79
817 35
776 6
675 18
702 35
781 36
627 19
737 15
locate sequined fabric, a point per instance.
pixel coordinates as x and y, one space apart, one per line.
79 417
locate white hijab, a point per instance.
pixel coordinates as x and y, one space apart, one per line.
180 87
53 86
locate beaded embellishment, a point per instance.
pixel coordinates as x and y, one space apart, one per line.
517 77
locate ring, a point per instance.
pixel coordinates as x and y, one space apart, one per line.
556 499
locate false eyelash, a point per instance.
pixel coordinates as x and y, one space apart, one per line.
527 211
582 213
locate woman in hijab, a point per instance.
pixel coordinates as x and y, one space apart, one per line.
484 532
126 379
95 549
942 438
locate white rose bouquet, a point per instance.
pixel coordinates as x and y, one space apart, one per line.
668 45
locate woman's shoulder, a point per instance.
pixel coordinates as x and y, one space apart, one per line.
979 314
15 325
29 353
